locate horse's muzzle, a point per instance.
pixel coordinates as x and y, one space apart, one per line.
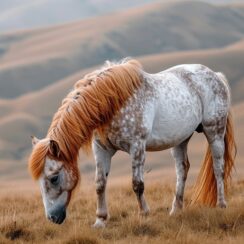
57 215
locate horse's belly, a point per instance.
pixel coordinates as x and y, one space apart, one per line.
167 135
175 120
163 142
157 145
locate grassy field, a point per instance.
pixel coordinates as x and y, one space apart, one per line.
38 67
23 220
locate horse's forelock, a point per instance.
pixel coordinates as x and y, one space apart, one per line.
37 158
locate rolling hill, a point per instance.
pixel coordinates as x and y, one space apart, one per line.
26 14
31 60
32 113
38 67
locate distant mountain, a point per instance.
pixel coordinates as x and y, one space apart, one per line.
26 14
30 60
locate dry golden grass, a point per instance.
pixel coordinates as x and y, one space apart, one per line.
22 219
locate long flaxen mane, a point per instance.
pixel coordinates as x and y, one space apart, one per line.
90 106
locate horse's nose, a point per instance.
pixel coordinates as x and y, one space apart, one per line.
53 218
57 215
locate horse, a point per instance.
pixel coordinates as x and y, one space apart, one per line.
122 107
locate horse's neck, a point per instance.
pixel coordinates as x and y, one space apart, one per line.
93 106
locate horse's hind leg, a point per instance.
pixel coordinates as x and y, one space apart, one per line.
215 131
182 166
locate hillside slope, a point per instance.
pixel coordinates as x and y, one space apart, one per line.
228 60
40 67
30 60
32 113
25 14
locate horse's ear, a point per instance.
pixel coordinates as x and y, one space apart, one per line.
54 148
34 140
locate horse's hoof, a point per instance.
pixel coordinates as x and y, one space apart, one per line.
172 212
99 224
176 207
145 213
222 204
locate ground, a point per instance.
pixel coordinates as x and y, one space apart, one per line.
22 218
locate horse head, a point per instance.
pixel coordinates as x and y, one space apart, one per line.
57 178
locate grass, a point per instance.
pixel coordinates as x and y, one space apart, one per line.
22 219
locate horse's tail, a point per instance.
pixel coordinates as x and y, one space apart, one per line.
205 190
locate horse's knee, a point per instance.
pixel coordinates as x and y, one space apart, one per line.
100 184
217 147
138 187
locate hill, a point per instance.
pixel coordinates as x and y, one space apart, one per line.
30 60
32 113
25 14
227 60
40 67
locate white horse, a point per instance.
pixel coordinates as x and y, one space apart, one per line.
121 107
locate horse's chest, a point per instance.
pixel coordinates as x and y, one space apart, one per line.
127 128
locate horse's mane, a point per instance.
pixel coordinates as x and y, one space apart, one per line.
90 106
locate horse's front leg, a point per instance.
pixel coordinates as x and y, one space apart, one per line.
138 159
103 161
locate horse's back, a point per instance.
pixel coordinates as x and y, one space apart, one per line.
210 86
205 81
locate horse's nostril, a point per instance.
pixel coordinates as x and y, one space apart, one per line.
52 218
57 215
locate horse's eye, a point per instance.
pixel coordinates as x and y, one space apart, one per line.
55 180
